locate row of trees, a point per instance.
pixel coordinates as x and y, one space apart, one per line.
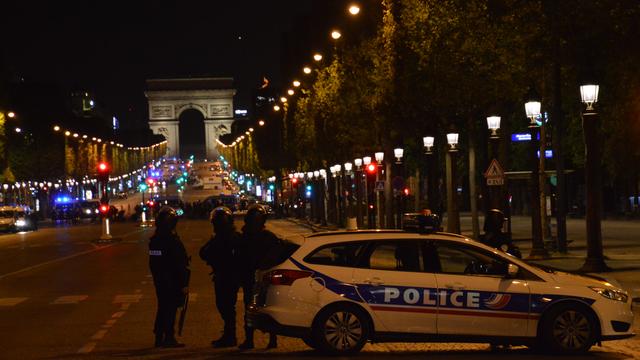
430 66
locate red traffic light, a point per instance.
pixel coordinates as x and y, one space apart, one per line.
372 168
150 203
103 167
294 181
150 181
406 191
104 209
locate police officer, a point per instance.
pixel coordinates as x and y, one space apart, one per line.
258 250
169 266
221 253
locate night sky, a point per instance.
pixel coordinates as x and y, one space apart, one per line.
110 50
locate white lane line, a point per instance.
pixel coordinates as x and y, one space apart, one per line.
12 301
193 297
87 348
53 261
117 315
70 299
119 299
99 335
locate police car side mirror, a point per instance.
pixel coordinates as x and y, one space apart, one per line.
512 270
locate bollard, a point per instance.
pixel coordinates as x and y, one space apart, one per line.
106 231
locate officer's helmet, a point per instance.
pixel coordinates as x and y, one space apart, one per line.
221 217
494 220
166 219
256 216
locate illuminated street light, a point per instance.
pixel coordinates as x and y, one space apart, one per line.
290 92
296 83
452 140
276 108
398 153
428 143
354 9
317 56
18 130
532 108
250 129
493 123
306 70
283 99
261 122
589 95
366 160
11 114
335 35
379 157
56 128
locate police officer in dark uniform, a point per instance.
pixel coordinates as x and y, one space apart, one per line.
169 266
258 251
221 253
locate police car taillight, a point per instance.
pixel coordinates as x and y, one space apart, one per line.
285 277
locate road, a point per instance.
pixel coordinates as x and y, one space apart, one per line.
63 295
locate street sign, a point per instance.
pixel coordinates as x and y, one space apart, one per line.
494 174
380 185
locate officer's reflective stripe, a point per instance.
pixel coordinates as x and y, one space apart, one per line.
155 252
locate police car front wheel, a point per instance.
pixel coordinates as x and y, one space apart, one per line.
570 329
341 329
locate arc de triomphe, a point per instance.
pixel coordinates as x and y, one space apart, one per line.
212 97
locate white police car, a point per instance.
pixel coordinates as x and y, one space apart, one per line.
338 290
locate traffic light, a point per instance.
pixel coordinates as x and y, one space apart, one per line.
406 191
143 187
104 208
294 181
103 171
150 181
372 168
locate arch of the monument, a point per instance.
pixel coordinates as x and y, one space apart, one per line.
168 98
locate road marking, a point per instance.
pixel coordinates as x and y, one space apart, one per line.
117 315
119 299
12 301
87 348
70 299
193 297
53 261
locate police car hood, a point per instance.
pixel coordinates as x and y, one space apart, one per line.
565 278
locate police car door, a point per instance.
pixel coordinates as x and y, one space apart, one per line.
392 280
474 295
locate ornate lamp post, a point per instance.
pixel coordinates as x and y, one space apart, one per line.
399 153
493 124
532 109
453 216
339 193
379 156
595 257
371 215
428 142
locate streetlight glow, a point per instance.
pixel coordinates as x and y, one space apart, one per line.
589 95
348 166
276 108
532 108
56 128
290 92
398 153
296 83
11 114
379 156
452 140
428 143
335 35
493 123
366 160
317 56
283 99
261 122
306 70
358 162
18 130
354 9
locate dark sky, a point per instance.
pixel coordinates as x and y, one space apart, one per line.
111 49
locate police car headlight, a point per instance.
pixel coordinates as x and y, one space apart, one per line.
20 223
611 294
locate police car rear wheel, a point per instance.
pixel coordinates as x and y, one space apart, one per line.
570 329
341 330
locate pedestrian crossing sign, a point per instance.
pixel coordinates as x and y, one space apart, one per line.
494 174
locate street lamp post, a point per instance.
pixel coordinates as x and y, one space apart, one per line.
399 153
379 159
453 216
358 182
538 251
595 256
428 142
371 216
493 123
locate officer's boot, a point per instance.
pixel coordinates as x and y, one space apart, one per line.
273 341
228 338
248 339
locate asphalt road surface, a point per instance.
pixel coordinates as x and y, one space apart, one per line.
64 295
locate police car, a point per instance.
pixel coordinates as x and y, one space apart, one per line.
339 290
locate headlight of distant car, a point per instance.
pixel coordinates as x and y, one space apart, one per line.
97 211
611 294
87 211
20 223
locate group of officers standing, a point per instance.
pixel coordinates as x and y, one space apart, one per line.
234 258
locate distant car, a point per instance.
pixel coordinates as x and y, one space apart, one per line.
340 290
89 209
174 202
16 218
